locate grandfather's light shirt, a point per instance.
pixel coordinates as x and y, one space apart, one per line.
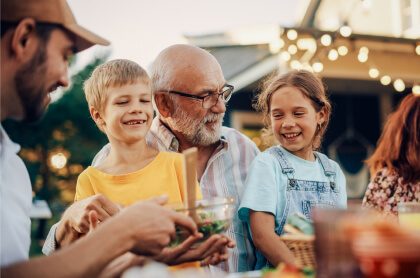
15 203
224 176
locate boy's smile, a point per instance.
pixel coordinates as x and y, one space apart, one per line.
135 122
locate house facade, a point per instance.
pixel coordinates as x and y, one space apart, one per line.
367 53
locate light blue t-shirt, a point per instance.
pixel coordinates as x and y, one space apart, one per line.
266 186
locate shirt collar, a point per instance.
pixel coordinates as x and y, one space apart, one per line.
6 143
164 135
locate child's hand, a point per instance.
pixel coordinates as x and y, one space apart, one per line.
93 220
212 251
75 221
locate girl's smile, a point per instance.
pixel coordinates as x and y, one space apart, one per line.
291 136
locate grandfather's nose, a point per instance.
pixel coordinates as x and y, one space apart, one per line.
220 106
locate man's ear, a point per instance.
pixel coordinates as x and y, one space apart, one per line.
24 41
164 105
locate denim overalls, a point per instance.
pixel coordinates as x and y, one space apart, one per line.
303 195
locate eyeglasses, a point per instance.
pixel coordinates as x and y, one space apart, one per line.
211 99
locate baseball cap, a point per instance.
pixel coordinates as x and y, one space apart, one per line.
50 11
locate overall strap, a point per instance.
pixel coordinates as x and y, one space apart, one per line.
328 168
287 170
326 164
286 167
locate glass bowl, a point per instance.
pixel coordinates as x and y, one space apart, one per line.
214 216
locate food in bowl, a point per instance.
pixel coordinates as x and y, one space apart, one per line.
214 216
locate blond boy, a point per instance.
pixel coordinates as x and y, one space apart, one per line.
119 98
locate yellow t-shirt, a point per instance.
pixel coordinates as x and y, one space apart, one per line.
164 175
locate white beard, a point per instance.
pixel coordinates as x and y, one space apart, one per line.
196 131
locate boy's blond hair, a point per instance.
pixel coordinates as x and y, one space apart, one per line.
114 73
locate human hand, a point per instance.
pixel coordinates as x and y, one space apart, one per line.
152 226
116 267
220 255
75 221
212 251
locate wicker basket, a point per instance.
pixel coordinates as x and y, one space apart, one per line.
302 247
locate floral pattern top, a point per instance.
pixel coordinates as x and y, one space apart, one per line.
387 189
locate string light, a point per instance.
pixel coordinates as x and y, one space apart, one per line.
399 85
285 55
296 65
292 34
318 67
292 49
345 31
326 40
343 50
364 49
363 54
276 45
373 72
416 90
333 55
58 160
385 80
307 44
362 57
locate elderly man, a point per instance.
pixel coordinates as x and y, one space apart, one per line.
190 95
37 39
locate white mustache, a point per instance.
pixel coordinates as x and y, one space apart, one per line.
213 118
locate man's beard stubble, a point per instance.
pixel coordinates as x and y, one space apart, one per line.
195 130
31 87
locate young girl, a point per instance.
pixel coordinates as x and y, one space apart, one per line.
291 177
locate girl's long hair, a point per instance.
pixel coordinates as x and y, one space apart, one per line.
398 147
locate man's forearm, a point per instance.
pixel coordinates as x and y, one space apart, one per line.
85 258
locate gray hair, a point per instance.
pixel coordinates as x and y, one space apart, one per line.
161 72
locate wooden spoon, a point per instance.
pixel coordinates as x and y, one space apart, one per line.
190 176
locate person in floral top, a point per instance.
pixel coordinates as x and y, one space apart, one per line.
395 164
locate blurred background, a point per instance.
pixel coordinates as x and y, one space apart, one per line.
366 51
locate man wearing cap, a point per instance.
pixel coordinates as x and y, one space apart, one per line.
37 39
